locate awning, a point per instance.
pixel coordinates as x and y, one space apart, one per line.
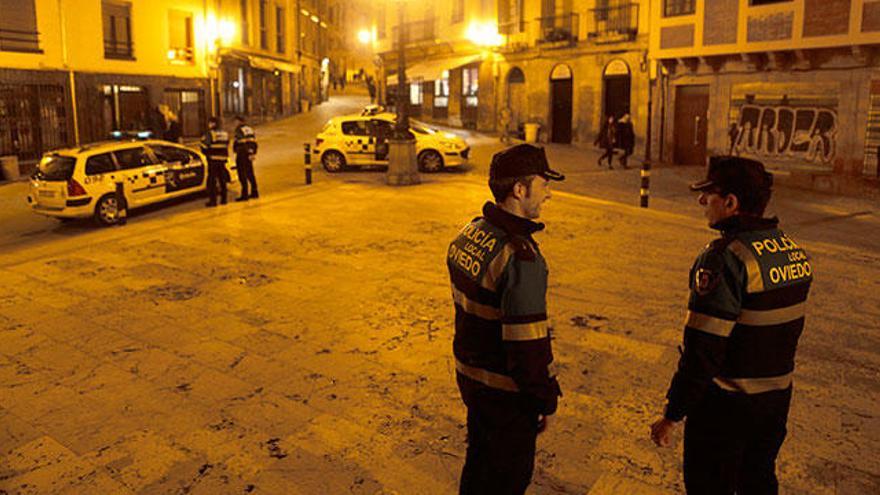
272 65
432 70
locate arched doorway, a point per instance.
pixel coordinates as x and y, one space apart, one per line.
616 89
560 104
516 97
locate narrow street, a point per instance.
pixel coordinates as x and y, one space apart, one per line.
301 343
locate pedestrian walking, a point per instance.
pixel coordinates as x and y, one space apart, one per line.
748 290
215 147
371 88
626 138
732 135
605 140
504 122
245 147
502 343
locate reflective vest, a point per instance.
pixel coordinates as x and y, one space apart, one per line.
245 140
215 145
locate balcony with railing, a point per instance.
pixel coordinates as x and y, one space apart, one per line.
415 33
615 23
14 40
559 31
118 49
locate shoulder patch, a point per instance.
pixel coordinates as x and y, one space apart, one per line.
705 280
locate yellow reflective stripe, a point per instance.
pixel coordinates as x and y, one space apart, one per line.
772 316
753 269
754 385
486 377
496 267
709 324
473 307
524 331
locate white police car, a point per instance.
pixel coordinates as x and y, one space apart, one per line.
81 182
361 140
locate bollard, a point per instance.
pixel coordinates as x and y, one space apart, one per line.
646 182
308 163
121 213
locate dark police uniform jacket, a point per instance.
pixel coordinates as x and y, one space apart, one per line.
499 286
745 314
245 143
215 146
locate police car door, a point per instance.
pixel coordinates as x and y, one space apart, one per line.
144 176
183 168
356 142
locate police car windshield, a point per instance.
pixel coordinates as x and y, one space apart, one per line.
421 128
55 167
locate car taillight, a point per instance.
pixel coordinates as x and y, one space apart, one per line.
318 142
74 188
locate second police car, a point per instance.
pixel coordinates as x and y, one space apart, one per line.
361 140
81 182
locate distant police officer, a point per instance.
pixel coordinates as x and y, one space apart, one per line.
502 343
745 315
215 147
245 147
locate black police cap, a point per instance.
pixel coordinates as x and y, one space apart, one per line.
735 175
520 161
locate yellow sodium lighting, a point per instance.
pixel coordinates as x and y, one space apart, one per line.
172 54
364 36
484 34
222 31
315 19
305 12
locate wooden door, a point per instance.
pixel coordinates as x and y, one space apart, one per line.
691 112
560 90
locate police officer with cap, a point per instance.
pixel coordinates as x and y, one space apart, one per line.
215 147
245 147
502 340
733 386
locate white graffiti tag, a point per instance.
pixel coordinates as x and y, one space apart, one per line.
807 133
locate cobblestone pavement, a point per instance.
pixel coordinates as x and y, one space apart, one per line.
302 344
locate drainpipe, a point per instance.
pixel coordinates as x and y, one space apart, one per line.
70 74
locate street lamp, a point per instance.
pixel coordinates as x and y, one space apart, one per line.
402 166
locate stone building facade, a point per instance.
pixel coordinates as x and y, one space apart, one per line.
795 84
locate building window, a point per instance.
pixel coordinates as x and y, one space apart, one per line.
510 19
441 90
180 37
264 35
18 26
672 8
457 11
469 85
245 25
281 29
766 2
117 30
415 93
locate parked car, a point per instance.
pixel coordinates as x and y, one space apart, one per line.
361 140
81 182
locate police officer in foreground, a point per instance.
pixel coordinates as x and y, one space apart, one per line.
502 341
215 147
745 314
245 147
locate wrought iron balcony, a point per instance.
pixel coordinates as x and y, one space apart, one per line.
118 49
14 40
559 30
513 27
615 24
414 32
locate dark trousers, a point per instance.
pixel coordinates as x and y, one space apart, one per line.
246 177
501 435
731 441
609 154
217 181
623 158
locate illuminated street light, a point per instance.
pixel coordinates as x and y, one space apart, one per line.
484 34
364 36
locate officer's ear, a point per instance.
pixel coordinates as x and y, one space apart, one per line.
731 203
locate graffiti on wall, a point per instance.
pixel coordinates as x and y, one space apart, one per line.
784 121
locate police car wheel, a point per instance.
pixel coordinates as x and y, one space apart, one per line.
333 161
430 161
107 211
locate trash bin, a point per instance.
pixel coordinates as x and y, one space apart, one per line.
532 132
9 166
304 105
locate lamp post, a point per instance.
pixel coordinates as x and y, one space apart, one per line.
402 166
